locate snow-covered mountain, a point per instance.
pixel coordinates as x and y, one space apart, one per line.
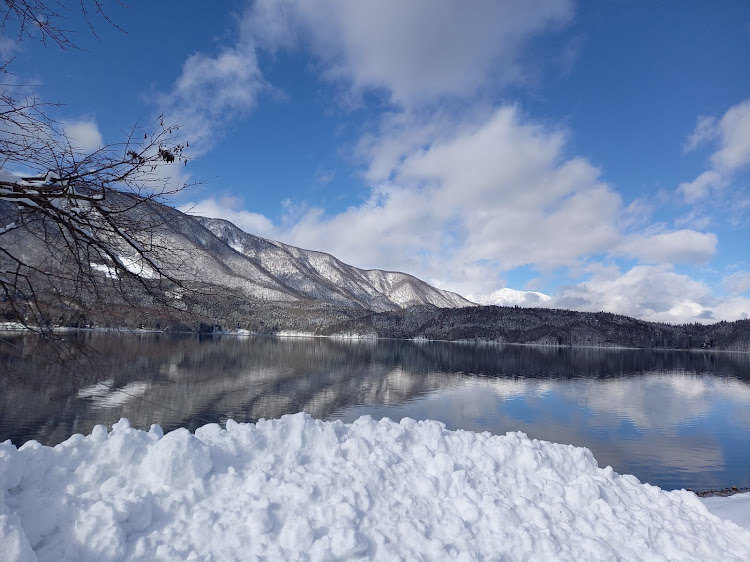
320 276
215 254
513 297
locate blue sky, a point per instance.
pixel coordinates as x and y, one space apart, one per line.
595 151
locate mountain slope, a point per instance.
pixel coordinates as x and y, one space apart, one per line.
218 259
321 276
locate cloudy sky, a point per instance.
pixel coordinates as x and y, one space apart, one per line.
596 151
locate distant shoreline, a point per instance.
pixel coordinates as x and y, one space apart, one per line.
6 328
723 493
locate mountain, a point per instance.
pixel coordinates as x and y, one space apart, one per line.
215 261
219 253
322 277
512 297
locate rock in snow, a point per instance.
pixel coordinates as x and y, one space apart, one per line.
297 488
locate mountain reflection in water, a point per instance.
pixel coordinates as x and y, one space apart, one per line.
675 419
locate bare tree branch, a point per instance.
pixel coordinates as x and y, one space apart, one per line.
79 231
45 20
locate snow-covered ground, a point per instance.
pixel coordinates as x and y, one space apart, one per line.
297 488
736 508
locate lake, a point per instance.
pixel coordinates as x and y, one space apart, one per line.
674 419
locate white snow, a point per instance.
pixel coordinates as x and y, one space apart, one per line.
735 508
294 334
137 266
353 336
236 246
109 272
297 488
512 297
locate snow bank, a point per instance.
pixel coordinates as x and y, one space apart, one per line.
301 489
735 508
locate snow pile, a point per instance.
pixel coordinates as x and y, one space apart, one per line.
735 508
302 489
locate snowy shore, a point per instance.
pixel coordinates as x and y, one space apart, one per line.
297 488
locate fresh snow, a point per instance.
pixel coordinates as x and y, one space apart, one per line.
735 508
512 297
109 272
137 266
297 488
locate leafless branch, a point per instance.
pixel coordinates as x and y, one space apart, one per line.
79 231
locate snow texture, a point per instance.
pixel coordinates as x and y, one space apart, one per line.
297 488
512 297
735 508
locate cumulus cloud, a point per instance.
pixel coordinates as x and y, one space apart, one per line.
83 134
480 198
415 50
732 135
231 209
655 293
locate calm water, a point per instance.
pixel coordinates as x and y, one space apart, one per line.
675 419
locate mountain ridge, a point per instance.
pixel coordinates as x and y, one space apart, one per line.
324 277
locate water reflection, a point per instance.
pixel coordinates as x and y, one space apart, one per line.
671 418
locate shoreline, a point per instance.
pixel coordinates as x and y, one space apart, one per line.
722 493
355 337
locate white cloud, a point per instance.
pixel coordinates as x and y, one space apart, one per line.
231 209
732 134
701 186
680 246
734 128
416 50
738 282
655 293
83 134
477 199
8 48
705 131
696 218
212 92
324 176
